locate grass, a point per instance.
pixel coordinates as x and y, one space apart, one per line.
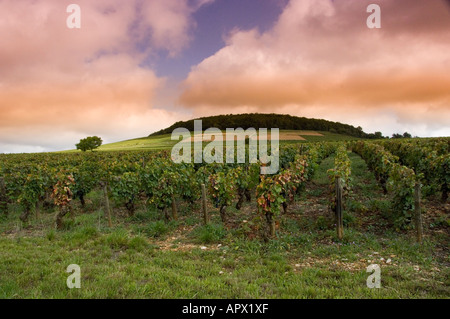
208 234
121 265
146 257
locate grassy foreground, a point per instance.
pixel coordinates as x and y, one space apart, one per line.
144 257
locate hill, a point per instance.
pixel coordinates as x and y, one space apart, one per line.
164 142
293 129
258 120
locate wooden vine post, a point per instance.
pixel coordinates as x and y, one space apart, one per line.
107 207
3 198
174 208
38 209
204 208
339 219
418 213
272 226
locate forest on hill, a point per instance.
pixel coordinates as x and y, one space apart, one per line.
281 121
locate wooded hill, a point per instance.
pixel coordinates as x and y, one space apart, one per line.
281 121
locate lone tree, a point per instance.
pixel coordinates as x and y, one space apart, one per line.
405 135
89 143
378 135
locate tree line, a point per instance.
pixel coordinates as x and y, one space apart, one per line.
281 121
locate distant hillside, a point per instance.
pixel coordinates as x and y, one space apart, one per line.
258 120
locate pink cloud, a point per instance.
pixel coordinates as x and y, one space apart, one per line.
55 80
320 59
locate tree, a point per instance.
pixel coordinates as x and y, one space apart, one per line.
404 135
407 135
89 143
378 135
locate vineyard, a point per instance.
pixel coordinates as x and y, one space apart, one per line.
319 203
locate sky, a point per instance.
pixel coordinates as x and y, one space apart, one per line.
137 66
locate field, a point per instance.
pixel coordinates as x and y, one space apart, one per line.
164 142
153 252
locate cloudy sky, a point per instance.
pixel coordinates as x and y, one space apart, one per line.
137 66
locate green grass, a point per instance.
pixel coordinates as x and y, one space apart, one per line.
161 142
122 265
208 234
